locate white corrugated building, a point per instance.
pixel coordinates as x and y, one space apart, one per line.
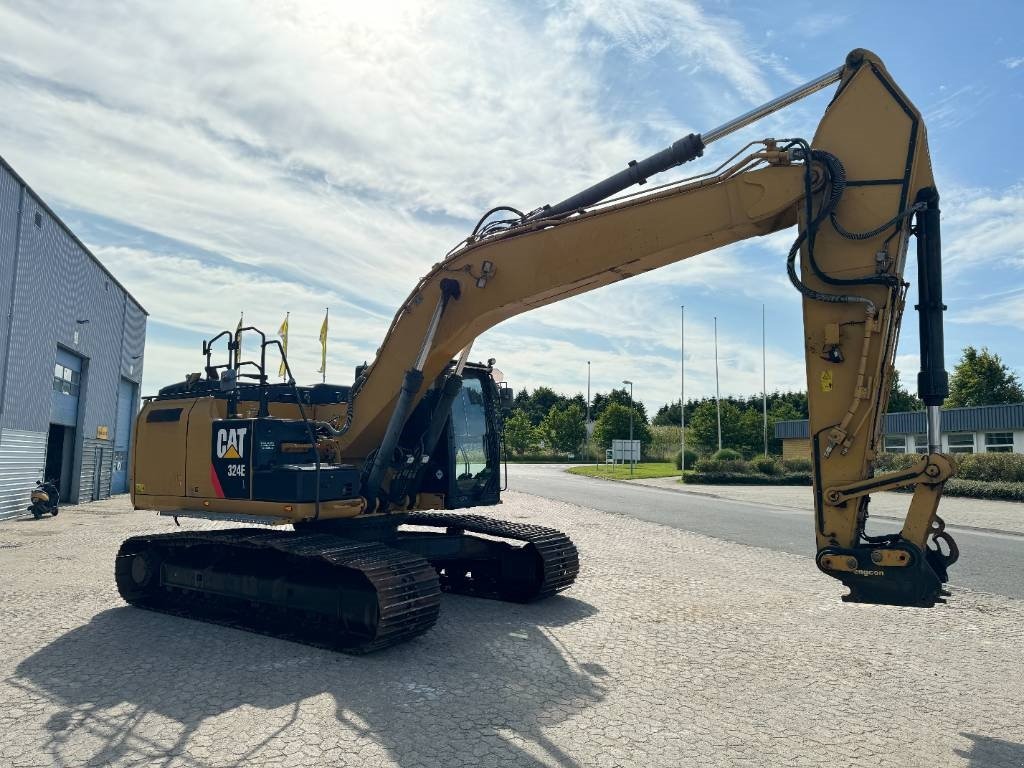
982 429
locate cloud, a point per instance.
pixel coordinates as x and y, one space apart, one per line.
274 157
983 227
1014 62
647 28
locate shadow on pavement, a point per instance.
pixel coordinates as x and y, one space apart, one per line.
987 752
134 686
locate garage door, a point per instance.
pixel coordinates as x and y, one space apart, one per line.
67 383
122 436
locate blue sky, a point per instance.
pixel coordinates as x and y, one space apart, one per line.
286 157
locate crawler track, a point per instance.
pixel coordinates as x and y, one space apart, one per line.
546 565
314 588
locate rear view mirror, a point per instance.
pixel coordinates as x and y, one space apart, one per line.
506 398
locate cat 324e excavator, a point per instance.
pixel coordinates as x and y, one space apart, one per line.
355 470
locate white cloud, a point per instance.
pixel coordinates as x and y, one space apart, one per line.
323 155
983 227
1014 62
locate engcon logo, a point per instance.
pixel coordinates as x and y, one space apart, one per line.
231 443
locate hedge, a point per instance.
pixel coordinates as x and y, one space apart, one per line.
738 478
1005 467
726 454
998 467
718 466
985 489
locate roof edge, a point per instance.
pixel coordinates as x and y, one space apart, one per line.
67 230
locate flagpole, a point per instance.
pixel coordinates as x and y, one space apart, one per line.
323 371
718 398
238 339
282 371
682 388
764 382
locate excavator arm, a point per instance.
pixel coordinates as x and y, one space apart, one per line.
858 191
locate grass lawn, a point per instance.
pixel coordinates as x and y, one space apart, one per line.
621 471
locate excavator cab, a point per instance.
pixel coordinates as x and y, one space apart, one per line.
465 466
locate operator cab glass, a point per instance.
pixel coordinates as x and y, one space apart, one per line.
471 476
470 436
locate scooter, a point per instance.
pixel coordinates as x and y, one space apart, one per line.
45 499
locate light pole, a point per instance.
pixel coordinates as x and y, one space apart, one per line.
588 427
632 458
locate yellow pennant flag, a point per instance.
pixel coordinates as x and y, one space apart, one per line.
323 344
283 333
238 338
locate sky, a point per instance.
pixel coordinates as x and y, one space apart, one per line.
291 156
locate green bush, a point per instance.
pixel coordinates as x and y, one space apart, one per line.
691 459
766 465
736 478
726 454
893 462
734 466
796 465
981 489
1000 467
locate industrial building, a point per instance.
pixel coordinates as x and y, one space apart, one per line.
983 429
71 354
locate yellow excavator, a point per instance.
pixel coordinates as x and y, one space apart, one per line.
357 470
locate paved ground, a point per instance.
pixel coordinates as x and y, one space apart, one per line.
673 649
990 560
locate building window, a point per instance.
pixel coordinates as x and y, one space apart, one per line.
961 443
999 442
39 220
920 443
66 381
895 444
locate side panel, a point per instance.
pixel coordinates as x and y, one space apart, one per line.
158 467
22 458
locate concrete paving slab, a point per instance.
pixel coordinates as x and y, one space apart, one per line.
673 649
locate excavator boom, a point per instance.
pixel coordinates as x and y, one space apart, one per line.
418 428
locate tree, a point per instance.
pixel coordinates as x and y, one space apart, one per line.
520 434
900 400
667 415
613 424
741 428
564 428
620 396
539 403
981 378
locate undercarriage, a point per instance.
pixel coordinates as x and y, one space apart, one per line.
344 592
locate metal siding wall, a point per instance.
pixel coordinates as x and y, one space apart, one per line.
792 429
58 283
88 476
22 459
10 192
134 342
910 423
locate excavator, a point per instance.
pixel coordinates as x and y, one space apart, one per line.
353 496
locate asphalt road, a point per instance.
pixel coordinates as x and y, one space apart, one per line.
990 562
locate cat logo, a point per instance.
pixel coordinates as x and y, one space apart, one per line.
231 442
